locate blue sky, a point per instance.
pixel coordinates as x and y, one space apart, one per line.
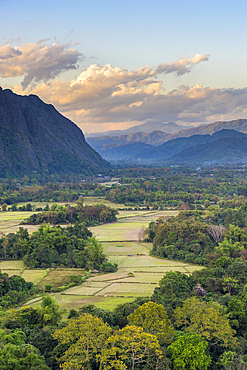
91 64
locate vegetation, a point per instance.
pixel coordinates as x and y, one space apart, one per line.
72 246
192 320
88 215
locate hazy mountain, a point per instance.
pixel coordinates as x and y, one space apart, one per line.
169 128
237 125
36 138
153 138
224 150
172 147
157 137
129 151
187 149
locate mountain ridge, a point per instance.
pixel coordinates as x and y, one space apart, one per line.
147 127
36 138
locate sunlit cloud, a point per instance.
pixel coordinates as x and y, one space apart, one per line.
37 62
105 96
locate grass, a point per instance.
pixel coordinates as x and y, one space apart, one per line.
127 290
124 248
67 302
59 277
95 200
32 275
12 265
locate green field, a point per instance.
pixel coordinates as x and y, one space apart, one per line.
121 245
10 221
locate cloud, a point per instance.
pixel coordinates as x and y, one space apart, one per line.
182 66
37 62
103 96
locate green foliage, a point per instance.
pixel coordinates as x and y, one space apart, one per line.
16 354
189 352
72 246
88 215
153 318
14 290
174 288
85 337
207 319
128 347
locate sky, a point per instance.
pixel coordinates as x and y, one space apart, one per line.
110 65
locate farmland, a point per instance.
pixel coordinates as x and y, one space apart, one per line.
138 272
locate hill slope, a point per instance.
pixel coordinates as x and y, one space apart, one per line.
153 138
171 148
237 125
36 138
220 147
224 150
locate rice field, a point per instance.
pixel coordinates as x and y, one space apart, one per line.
138 273
17 268
10 221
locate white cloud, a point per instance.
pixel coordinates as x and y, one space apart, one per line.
37 62
182 66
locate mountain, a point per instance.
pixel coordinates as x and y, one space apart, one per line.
36 138
156 138
130 151
169 128
169 149
193 149
224 150
153 138
237 125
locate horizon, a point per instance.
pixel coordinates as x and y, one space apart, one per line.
111 66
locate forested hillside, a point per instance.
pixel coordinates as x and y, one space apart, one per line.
36 139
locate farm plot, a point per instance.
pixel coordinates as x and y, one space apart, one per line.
32 275
121 246
125 248
17 268
127 290
129 226
59 277
10 221
88 201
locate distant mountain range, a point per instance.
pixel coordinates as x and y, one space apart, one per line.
36 138
194 145
147 127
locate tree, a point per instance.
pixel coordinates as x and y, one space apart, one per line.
95 251
153 318
215 231
232 361
15 354
85 338
174 288
229 249
130 347
49 312
207 319
188 351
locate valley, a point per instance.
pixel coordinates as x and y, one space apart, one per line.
138 272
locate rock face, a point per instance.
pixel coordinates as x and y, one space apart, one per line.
36 138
